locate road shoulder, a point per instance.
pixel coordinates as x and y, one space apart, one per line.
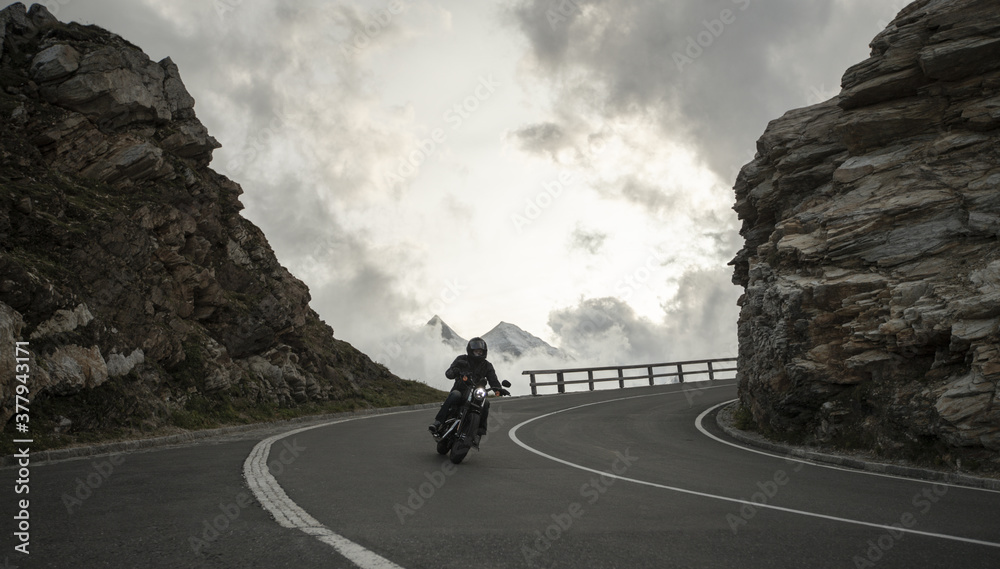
858 461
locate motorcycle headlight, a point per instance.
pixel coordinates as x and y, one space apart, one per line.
480 393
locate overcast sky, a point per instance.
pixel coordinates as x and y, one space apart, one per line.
563 165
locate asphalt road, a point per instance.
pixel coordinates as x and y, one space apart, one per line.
611 479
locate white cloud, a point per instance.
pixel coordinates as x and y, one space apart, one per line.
317 102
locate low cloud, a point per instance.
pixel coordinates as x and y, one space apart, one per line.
700 322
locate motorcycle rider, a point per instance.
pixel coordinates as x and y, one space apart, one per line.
464 369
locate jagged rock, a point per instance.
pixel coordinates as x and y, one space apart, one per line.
11 324
63 424
15 19
116 238
119 365
63 321
871 264
73 368
54 63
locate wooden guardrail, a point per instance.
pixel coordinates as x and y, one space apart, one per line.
678 370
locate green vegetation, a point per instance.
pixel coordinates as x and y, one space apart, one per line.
743 419
190 372
108 412
120 409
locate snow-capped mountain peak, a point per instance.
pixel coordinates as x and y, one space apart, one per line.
504 341
448 335
509 340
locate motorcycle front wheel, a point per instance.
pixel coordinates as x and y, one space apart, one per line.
443 447
463 444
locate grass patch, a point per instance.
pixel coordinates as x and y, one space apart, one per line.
743 418
121 410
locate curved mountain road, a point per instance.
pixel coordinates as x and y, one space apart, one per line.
626 478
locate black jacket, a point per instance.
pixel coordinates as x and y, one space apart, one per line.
463 366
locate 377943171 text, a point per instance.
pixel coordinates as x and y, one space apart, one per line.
22 519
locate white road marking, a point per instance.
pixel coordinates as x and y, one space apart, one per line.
513 435
288 514
698 421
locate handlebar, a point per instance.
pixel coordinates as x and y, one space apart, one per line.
498 392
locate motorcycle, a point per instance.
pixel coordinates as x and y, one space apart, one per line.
458 435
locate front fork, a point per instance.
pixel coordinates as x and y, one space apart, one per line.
472 407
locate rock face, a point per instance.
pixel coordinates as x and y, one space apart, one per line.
124 261
871 264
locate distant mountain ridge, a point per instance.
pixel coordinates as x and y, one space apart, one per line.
448 335
509 340
505 340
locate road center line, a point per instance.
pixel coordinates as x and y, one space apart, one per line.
513 435
288 514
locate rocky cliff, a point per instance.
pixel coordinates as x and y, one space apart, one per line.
146 299
871 265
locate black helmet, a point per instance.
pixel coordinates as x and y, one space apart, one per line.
476 345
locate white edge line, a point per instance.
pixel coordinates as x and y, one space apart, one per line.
698 423
513 435
288 514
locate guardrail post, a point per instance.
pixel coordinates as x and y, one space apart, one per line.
650 368
711 374
562 386
534 388
590 376
680 373
621 382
